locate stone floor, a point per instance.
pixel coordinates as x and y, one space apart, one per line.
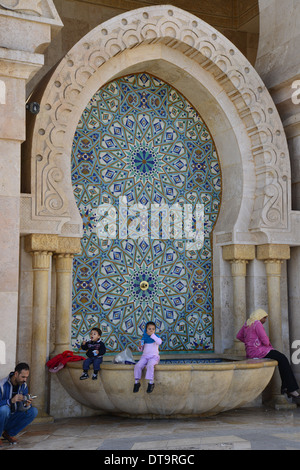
244 429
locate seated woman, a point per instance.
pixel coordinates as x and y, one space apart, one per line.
258 346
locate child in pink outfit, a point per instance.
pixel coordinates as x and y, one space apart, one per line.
149 359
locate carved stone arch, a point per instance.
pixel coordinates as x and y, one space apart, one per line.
212 66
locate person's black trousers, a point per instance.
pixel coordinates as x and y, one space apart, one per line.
286 374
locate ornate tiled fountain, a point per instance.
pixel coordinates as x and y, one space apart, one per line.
181 389
143 164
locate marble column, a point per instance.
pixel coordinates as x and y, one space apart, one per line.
41 265
66 248
41 247
238 256
63 263
273 257
273 272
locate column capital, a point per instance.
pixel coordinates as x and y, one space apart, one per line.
238 267
273 267
273 252
41 260
64 262
53 243
238 252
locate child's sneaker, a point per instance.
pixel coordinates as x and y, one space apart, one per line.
136 387
150 388
94 376
84 376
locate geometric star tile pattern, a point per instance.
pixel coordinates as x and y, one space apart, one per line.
143 155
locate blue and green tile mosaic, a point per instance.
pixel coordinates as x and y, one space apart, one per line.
138 137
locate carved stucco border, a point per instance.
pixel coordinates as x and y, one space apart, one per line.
200 42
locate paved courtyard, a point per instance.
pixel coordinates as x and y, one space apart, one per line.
244 429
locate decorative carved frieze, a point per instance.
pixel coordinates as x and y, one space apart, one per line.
200 42
41 242
273 252
51 243
238 252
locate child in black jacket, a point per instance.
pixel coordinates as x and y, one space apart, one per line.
95 351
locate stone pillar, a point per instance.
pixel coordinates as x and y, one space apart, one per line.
273 256
15 68
41 246
66 248
22 33
238 256
273 272
63 264
40 264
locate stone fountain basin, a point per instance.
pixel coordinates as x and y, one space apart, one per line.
181 390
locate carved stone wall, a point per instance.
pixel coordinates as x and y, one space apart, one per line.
25 31
119 42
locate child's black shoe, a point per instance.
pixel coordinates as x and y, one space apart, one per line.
150 388
94 376
84 376
136 387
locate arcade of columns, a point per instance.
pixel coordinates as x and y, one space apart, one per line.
44 247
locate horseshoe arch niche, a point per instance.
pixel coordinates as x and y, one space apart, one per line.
213 75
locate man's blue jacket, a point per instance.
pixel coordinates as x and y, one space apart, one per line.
6 389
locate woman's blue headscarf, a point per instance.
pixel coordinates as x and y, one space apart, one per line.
146 338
